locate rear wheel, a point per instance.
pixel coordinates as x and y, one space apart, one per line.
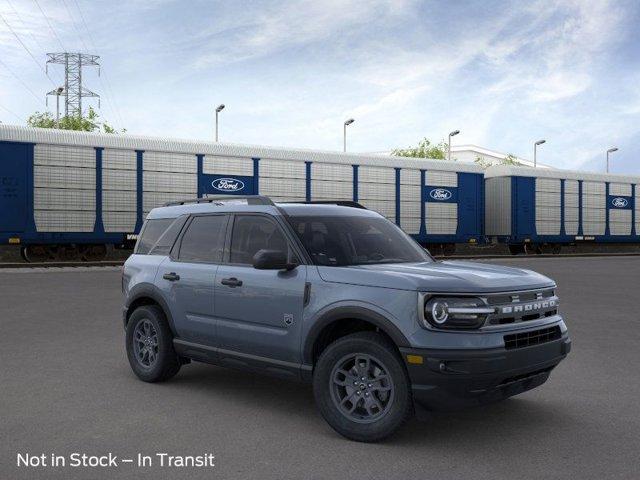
150 345
362 388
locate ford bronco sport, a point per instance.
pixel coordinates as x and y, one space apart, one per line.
338 296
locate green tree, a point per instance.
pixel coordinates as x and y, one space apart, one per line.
510 159
89 123
425 149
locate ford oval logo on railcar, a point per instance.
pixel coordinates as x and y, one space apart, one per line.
440 194
228 184
619 202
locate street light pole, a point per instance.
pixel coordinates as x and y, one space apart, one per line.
452 134
218 110
611 150
535 152
344 133
59 90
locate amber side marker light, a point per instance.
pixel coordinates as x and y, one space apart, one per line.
14 241
415 359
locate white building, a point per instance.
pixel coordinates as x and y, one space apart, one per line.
469 154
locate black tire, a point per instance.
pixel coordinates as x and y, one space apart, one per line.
166 362
399 403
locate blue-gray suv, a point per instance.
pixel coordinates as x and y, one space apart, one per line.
338 296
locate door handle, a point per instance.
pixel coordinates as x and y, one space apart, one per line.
231 282
172 277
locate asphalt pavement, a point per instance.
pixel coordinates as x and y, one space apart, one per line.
66 386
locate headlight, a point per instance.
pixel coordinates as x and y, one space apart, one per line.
455 312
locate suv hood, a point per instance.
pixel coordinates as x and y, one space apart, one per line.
447 276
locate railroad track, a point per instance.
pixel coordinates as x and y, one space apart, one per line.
117 263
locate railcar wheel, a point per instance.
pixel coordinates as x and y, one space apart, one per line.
516 249
449 249
93 253
68 253
557 248
37 253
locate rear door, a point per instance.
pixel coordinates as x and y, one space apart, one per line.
187 277
259 312
14 163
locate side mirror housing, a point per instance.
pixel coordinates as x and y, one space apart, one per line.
272 260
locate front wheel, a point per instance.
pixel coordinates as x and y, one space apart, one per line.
150 345
362 388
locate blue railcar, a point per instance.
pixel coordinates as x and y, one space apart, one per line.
69 194
543 209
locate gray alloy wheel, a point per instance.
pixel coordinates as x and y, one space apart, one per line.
361 388
145 343
149 344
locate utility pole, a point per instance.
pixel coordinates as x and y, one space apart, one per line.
73 90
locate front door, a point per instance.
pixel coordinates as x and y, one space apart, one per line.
188 277
259 312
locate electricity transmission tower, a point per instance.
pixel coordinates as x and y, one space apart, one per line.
73 90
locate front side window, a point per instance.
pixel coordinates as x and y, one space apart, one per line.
150 234
356 240
252 233
203 240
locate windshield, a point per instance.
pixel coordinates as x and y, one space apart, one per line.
343 240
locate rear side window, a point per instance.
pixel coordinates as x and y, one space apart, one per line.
204 239
168 238
150 234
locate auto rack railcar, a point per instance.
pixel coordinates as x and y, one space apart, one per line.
543 209
71 194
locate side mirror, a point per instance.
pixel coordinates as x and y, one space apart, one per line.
272 260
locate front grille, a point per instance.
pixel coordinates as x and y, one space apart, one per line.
522 306
535 337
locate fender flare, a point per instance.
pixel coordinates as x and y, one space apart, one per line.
356 313
148 290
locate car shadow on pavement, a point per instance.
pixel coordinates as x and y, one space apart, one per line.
477 426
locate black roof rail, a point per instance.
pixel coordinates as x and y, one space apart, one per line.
251 200
341 203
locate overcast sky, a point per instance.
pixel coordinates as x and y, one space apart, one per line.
504 73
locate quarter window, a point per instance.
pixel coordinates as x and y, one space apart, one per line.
150 234
204 239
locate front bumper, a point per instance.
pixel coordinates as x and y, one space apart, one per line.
454 379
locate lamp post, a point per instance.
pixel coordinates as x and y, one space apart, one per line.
611 150
218 110
58 91
452 134
344 133
535 152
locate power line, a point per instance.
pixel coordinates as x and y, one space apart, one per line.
50 26
21 81
27 49
75 27
12 113
24 26
106 85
